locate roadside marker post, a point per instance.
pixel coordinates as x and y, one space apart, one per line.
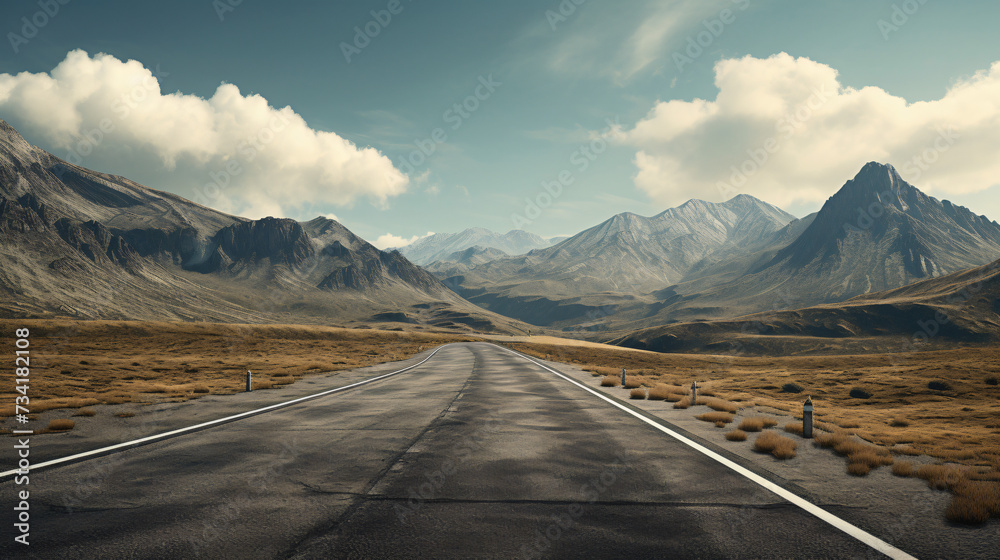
249 381
623 378
694 393
807 419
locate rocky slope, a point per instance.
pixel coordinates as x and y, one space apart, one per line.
83 244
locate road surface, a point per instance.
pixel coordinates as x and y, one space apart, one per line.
476 453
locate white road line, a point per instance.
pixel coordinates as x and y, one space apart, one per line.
153 438
856 532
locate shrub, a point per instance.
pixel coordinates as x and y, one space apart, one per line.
992 380
609 381
638 393
723 417
201 389
858 469
860 393
757 424
902 468
791 388
940 477
632 382
777 445
974 502
85 412
682 404
674 397
61 425
658 393
736 435
899 422
794 428
720 405
938 386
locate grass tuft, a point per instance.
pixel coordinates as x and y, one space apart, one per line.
795 428
902 468
632 382
637 393
775 444
61 425
899 422
736 435
85 412
609 381
682 404
974 502
716 416
757 424
938 386
791 388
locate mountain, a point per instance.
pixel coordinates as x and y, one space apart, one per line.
876 233
440 246
959 309
616 262
78 243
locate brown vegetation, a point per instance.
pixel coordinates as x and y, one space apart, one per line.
775 444
723 417
79 364
638 393
757 424
736 435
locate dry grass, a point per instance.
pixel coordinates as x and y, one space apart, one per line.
61 425
902 468
683 404
757 424
87 363
85 412
714 417
974 502
637 393
775 444
718 404
967 418
856 452
609 381
795 428
899 422
632 382
659 393
125 414
736 435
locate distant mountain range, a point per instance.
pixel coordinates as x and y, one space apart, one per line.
442 246
705 261
82 244
961 308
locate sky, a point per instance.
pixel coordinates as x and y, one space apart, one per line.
404 117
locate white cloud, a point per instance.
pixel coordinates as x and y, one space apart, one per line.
390 241
282 162
811 134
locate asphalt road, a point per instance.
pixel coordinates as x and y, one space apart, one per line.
476 453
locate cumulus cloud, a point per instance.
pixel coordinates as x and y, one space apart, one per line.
786 130
390 241
231 151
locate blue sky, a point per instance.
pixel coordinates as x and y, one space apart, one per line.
555 84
